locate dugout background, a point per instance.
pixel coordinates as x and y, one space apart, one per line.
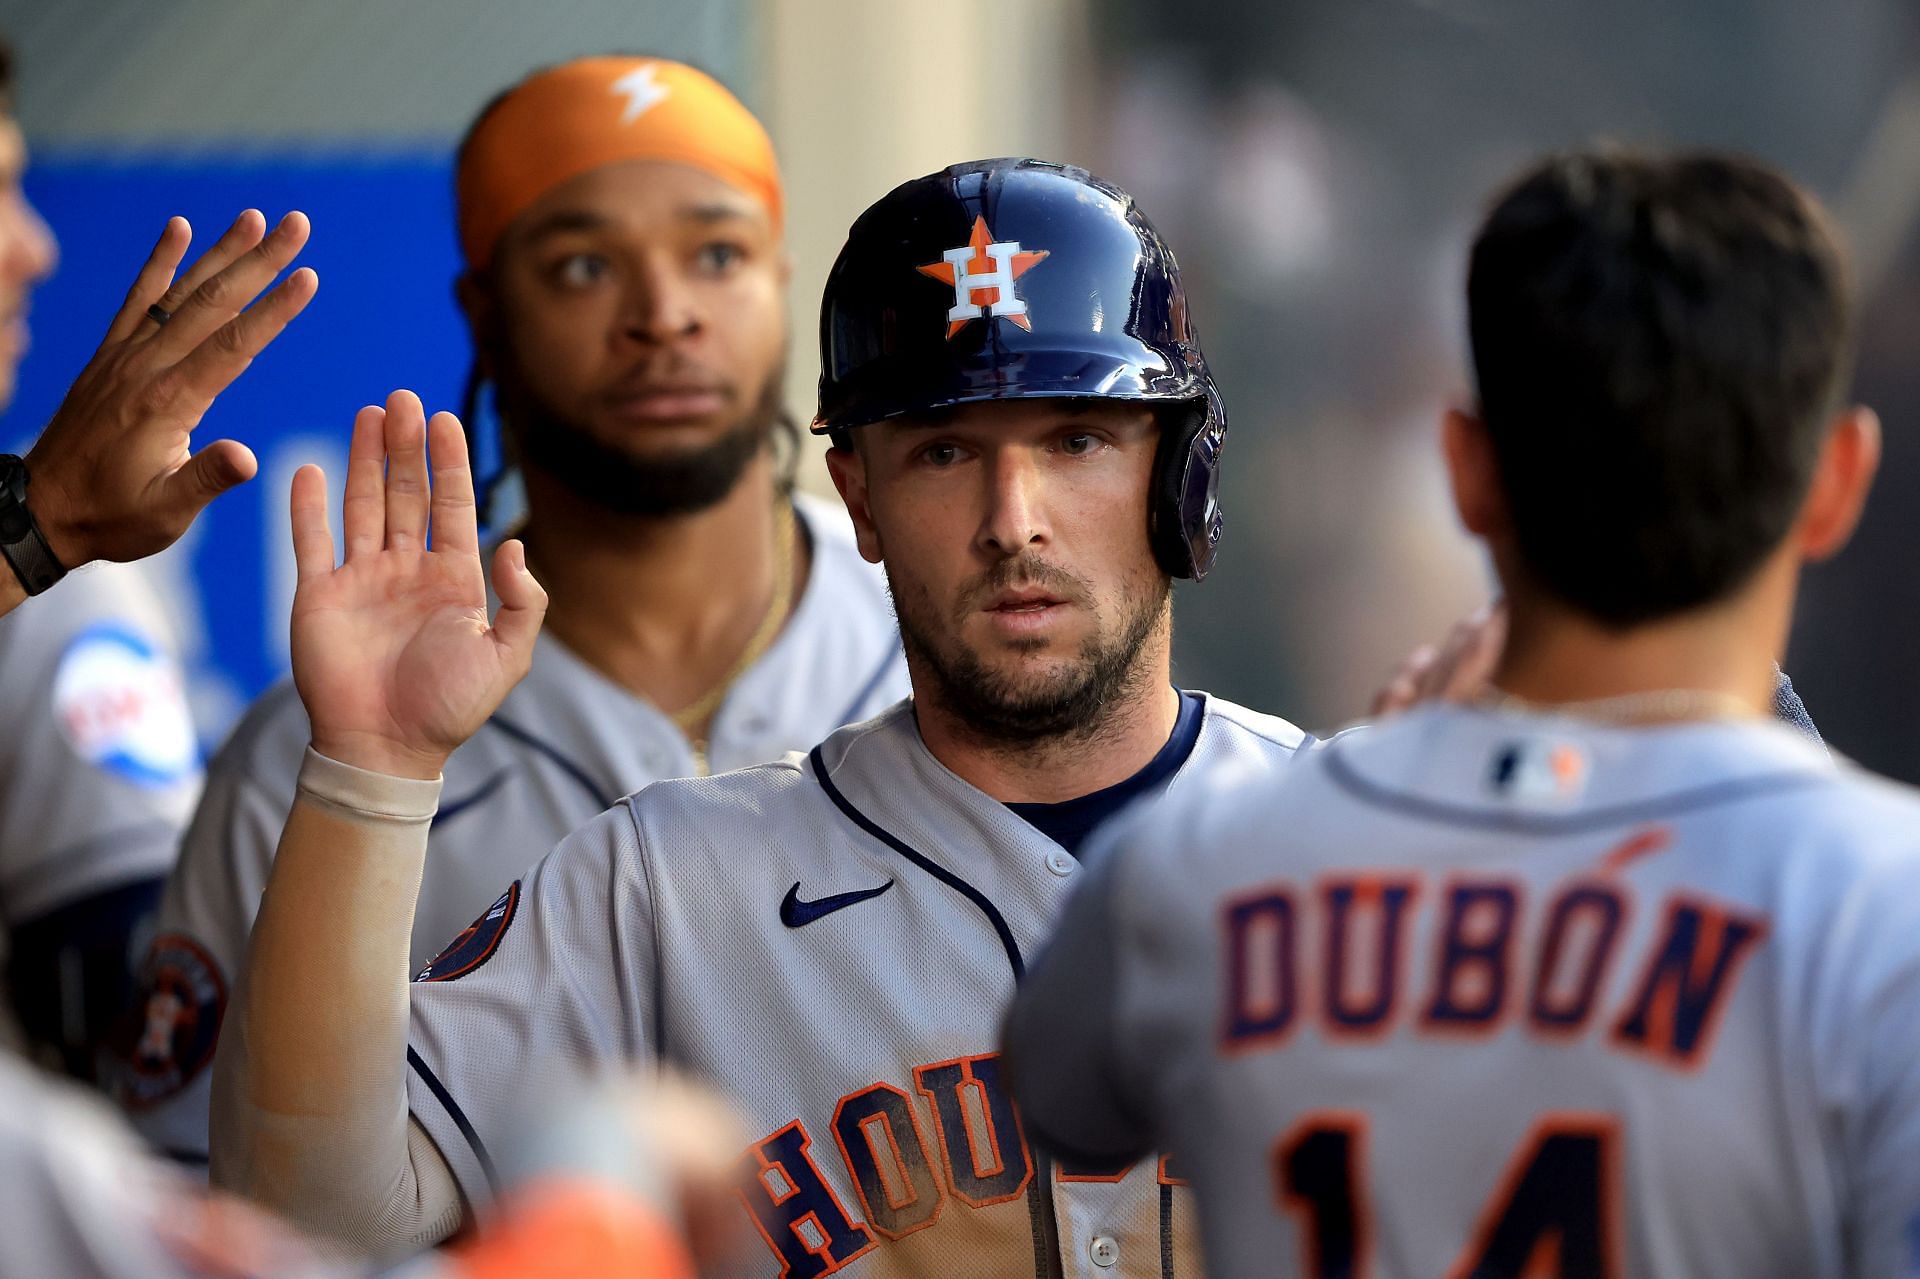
1318 164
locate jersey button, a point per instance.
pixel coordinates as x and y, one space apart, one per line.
1060 862
1104 1251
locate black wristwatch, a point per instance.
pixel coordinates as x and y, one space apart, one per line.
21 540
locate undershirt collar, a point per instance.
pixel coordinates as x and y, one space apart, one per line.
1069 822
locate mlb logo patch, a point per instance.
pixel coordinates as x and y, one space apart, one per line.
1539 772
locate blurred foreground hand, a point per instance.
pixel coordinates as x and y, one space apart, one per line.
1457 670
630 1177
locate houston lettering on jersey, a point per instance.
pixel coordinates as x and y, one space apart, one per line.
1353 977
953 1144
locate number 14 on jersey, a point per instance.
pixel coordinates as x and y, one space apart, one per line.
1554 1211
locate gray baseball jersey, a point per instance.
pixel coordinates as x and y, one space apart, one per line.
832 940
1477 991
79 1199
565 745
99 767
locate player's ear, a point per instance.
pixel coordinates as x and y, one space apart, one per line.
847 464
1848 459
1473 473
474 296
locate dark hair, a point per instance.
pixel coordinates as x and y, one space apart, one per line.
6 77
1660 343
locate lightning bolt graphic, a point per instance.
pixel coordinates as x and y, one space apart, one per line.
640 91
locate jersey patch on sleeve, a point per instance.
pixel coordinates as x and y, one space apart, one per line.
476 943
169 1038
121 706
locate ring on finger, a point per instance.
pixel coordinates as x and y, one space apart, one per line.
159 314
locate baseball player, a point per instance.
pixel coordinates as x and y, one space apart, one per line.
620 219
1608 972
112 476
1027 437
99 765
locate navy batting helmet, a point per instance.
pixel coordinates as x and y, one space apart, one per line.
1018 279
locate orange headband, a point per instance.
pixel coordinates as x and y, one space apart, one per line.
590 112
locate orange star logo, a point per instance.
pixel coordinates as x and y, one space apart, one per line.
982 272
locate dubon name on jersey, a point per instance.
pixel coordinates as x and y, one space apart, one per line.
1478 988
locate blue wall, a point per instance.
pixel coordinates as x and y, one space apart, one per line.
384 317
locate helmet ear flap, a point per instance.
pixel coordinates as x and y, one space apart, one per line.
1183 519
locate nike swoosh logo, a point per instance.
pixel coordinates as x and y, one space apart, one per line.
795 913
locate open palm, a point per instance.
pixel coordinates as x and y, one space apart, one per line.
392 651
115 475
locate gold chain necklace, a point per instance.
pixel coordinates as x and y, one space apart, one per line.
688 718
1657 706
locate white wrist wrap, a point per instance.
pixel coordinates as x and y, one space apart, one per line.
359 795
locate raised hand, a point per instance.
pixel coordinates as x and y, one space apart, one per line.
114 476
392 653
1456 671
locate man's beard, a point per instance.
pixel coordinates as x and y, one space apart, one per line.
1008 710
623 482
